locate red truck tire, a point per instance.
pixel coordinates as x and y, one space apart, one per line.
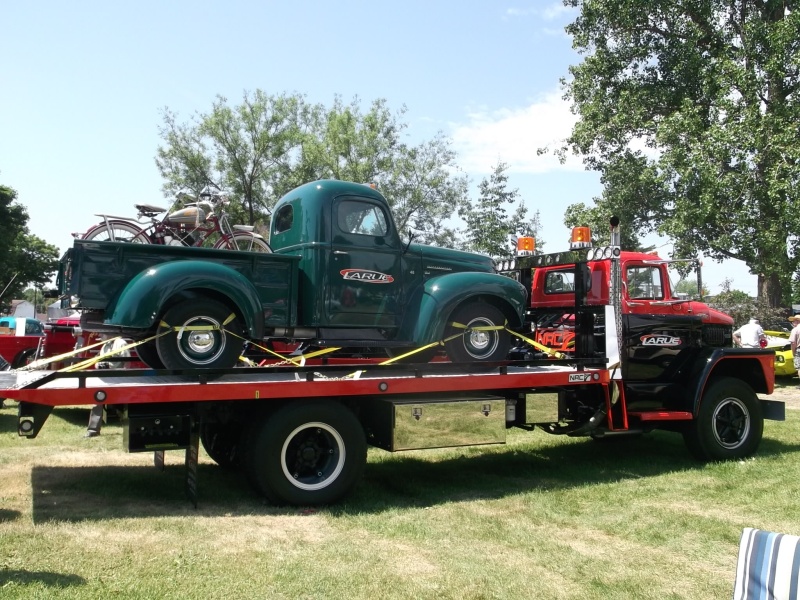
306 454
729 423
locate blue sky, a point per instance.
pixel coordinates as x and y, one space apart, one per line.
83 85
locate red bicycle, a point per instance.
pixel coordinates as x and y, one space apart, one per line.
202 222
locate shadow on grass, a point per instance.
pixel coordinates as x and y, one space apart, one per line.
72 415
53 580
9 515
409 481
8 423
122 492
392 481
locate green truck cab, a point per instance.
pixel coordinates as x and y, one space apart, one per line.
338 275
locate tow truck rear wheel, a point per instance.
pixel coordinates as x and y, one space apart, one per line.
477 344
729 424
148 354
306 454
221 443
208 346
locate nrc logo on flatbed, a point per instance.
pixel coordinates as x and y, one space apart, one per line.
580 377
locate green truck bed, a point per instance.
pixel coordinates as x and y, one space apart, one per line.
97 273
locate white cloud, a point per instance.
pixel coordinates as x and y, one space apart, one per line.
553 12
520 12
513 136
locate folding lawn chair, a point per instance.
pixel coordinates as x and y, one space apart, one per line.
768 567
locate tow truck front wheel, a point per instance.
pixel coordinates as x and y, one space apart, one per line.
484 336
199 337
729 423
307 454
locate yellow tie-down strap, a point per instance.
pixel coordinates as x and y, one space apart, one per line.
89 362
43 362
466 329
298 361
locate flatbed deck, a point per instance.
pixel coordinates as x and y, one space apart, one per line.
139 386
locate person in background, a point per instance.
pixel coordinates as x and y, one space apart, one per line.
750 335
794 340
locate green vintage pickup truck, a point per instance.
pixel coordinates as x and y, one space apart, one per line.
338 275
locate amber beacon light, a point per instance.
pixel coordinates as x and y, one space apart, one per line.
581 238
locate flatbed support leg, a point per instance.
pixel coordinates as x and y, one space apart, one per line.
192 459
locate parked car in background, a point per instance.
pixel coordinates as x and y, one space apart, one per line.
20 339
778 340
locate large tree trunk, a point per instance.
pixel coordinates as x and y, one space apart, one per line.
770 290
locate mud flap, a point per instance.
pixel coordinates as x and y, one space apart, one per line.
773 410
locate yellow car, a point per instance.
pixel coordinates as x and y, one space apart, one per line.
784 363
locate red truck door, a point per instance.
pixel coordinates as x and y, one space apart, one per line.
365 283
643 284
647 290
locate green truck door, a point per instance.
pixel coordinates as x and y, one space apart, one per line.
365 282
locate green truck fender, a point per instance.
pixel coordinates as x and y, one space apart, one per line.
142 301
429 309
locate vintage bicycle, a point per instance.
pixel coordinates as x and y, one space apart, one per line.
202 221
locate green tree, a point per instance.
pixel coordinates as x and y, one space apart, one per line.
24 258
421 182
268 145
425 188
240 149
35 296
689 286
688 109
490 228
742 307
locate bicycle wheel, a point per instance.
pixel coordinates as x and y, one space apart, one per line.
117 231
244 241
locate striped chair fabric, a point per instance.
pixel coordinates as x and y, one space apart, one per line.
768 567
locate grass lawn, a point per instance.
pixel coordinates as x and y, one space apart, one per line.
540 517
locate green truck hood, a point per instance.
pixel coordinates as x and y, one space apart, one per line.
449 260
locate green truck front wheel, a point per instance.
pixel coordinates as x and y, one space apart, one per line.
476 332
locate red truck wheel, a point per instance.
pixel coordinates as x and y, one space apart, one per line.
208 346
306 454
729 423
477 344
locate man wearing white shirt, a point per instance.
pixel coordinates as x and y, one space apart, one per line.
750 335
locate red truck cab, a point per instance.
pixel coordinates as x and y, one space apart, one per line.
646 288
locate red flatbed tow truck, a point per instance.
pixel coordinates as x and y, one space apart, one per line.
300 432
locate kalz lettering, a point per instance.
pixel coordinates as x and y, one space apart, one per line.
365 276
660 340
